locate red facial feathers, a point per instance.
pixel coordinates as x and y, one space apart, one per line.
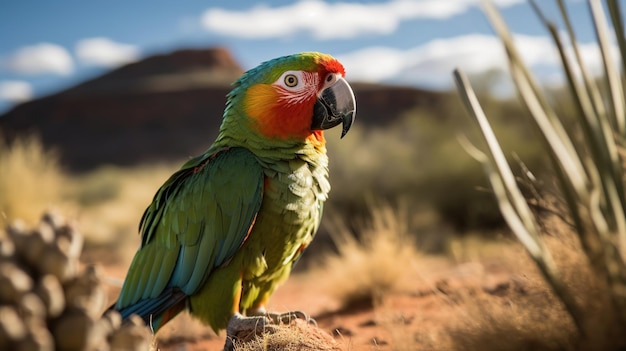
283 109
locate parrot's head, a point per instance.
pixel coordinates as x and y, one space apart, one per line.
293 97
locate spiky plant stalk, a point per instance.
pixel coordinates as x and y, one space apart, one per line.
588 168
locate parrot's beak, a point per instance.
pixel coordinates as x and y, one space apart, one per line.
335 105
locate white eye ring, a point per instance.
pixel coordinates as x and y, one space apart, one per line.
290 80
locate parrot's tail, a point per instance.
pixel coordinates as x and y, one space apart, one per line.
156 311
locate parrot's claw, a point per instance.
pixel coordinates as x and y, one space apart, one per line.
288 317
242 328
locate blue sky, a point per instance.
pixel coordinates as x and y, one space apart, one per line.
46 46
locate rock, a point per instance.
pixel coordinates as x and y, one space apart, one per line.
46 304
50 291
14 283
134 336
31 307
85 293
76 331
12 328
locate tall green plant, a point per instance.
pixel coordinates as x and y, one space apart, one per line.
588 168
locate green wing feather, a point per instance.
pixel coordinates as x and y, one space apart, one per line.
196 222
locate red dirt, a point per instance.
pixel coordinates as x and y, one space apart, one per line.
418 319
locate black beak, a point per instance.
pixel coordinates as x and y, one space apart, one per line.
335 105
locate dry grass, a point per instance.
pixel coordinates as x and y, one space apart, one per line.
110 201
527 316
374 263
30 180
107 203
518 313
298 336
495 298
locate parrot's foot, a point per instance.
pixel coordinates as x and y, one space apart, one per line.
242 328
288 317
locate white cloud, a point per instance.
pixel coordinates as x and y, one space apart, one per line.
41 58
105 52
15 91
324 20
432 63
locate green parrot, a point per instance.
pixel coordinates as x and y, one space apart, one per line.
226 229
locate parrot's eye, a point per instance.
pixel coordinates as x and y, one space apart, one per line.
291 80
299 82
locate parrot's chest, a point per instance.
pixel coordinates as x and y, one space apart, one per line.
293 197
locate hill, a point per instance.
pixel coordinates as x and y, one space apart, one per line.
165 107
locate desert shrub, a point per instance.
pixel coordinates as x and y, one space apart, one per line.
585 157
525 308
372 265
30 180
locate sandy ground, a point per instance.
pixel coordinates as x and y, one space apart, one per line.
415 319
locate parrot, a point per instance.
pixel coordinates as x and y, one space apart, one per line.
225 230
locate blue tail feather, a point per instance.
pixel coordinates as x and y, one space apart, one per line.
156 311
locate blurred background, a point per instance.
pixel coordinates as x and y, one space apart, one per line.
101 101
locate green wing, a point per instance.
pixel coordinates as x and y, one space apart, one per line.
197 221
